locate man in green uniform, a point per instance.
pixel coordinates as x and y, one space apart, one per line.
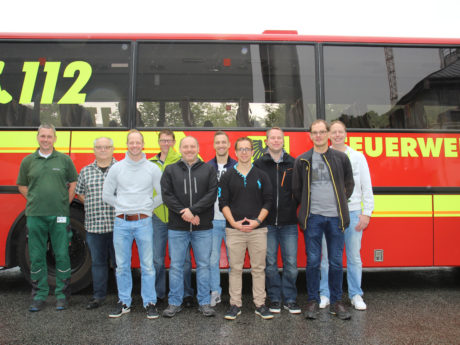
47 179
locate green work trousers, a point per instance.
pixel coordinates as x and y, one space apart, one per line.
40 227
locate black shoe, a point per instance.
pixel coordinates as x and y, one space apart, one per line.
36 305
275 307
61 304
312 310
293 308
94 303
120 310
188 302
152 312
207 310
340 311
264 312
232 313
160 302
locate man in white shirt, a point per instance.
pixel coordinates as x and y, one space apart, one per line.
359 220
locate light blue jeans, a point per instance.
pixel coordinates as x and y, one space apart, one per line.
282 287
179 244
354 263
218 234
124 232
160 239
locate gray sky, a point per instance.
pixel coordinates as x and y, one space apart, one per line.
399 18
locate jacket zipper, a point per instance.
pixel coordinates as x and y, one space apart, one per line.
191 191
335 190
277 193
308 196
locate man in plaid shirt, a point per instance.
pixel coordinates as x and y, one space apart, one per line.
99 217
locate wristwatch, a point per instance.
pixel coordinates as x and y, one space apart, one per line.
258 221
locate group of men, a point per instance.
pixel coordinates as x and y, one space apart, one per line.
179 200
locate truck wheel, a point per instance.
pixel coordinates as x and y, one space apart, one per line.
80 259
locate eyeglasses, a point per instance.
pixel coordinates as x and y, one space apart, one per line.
315 134
100 148
244 149
166 141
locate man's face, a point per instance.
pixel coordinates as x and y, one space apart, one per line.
103 149
166 141
221 145
46 139
244 151
135 144
337 134
319 134
275 140
189 150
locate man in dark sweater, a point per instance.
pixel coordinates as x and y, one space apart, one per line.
282 225
189 189
245 196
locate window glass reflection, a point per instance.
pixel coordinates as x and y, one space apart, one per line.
392 87
225 85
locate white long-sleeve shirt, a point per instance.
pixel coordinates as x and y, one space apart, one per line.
363 185
129 186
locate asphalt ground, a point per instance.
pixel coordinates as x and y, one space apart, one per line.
405 306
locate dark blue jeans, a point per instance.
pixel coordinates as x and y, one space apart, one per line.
101 249
282 287
318 225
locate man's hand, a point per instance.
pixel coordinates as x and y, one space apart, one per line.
187 215
363 222
246 225
196 220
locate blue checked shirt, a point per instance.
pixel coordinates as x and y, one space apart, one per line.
99 216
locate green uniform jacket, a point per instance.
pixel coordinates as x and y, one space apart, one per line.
172 157
47 179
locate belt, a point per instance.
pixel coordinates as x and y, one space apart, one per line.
130 217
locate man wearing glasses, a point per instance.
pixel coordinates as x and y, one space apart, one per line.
160 218
322 184
99 217
245 196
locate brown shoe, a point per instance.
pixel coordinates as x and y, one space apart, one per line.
339 309
312 310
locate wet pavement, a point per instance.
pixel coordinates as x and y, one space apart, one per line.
415 306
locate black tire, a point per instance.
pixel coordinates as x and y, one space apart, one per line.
80 259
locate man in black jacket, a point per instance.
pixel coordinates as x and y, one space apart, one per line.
322 183
282 225
245 196
189 190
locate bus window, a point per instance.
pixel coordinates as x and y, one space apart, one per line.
65 84
225 85
392 87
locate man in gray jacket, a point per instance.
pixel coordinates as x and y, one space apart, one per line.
129 188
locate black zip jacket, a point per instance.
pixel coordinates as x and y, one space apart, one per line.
245 195
283 211
192 187
342 180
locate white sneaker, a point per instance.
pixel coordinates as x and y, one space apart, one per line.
358 303
324 302
215 298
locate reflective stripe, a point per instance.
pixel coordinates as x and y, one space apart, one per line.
83 141
403 206
447 205
26 141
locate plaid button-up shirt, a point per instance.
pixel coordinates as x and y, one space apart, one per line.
99 216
